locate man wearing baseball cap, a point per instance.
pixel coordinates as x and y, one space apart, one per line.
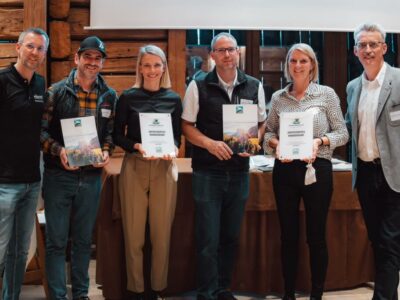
71 194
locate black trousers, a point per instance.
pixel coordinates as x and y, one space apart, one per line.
381 210
289 189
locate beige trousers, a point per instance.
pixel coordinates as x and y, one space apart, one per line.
147 187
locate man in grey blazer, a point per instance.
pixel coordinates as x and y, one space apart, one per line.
373 117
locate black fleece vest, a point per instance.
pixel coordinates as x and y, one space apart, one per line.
209 119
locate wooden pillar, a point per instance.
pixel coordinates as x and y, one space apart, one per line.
398 51
253 53
177 67
35 15
177 59
335 69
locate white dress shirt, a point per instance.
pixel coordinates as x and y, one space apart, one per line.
367 111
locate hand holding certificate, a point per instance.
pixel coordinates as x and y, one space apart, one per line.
81 141
157 135
296 135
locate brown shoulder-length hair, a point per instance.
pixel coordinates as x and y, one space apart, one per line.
165 81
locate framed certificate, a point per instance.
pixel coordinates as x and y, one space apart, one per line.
296 135
240 127
81 141
157 135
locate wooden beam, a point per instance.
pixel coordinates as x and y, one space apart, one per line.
335 70
177 60
35 15
11 3
80 3
60 39
59 9
398 50
177 67
8 50
5 62
11 23
252 59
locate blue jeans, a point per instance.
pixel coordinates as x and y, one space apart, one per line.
17 215
71 201
220 199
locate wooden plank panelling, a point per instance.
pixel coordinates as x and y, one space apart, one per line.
7 50
5 62
11 23
111 66
120 82
120 49
11 3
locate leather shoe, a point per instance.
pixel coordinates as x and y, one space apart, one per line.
315 297
153 295
289 297
82 298
226 295
135 296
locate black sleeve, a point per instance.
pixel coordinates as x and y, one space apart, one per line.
176 121
120 124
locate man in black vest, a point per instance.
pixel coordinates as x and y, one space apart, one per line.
21 106
220 178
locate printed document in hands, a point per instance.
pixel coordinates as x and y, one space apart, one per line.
157 135
296 135
240 127
81 141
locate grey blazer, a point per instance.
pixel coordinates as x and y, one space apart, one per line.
387 125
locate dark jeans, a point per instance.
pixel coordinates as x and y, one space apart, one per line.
71 201
289 188
381 209
220 199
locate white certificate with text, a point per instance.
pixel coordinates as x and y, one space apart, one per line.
296 135
157 135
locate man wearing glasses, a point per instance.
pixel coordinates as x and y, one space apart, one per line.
374 117
21 106
220 178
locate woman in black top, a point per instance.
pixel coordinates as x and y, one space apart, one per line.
147 185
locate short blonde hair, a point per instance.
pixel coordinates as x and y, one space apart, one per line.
165 81
307 50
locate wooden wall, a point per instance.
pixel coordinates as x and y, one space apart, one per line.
66 27
15 16
67 19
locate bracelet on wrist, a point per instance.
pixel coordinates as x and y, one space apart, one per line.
322 141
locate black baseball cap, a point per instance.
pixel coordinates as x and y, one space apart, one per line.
92 43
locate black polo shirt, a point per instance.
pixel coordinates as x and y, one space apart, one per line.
21 108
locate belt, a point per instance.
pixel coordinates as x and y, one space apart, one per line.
375 161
